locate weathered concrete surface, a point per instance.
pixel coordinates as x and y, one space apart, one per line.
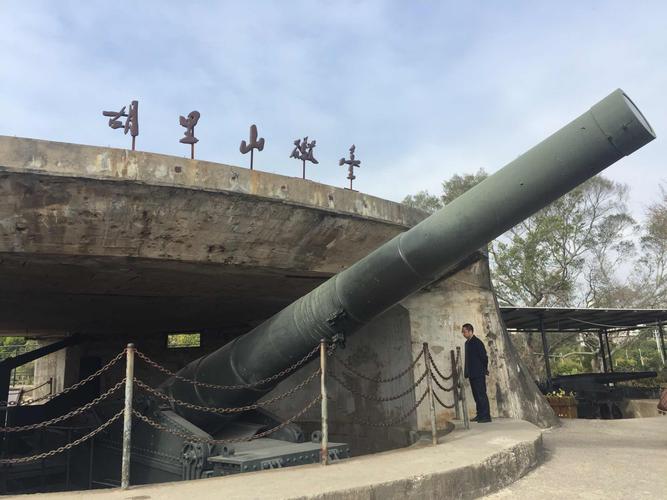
105 240
436 315
640 408
465 464
387 345
599 459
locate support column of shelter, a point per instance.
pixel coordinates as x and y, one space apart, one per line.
545 350
606 341
662 342
603 356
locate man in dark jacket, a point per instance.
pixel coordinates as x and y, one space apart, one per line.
476 370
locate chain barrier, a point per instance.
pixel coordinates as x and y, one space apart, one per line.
430 369
250 385
443 388
198 439
68 446
376 398
71 414
33 389
351 369
238 409
390 423
435 395
435 366
119 356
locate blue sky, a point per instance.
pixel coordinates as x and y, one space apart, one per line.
424 89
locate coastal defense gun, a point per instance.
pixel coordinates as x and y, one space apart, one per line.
611 129
597 394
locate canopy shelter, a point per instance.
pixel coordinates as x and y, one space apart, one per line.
569 320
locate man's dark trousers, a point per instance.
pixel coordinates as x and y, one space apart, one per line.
478 386
476 369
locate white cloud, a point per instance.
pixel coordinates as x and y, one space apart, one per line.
424 91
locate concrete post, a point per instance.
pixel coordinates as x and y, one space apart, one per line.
127 416
324 446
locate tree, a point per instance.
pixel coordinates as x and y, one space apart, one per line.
459 184
424 201
567 253
650 283
451 189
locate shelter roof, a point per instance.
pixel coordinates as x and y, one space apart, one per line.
574 319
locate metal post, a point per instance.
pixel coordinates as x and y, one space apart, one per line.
662 342
324 446
429 384
127 417
466 421
455 382
545 351
602 354
606 341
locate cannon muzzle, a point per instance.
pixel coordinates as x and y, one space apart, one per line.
611 129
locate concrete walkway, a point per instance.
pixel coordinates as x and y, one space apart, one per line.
465 464
605 459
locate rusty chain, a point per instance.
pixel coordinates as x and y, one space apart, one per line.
192 438
38 386
68 446
238 409
441 403
395 421
437 370
74 386
250 385
376 398
73 413
379 380
442 387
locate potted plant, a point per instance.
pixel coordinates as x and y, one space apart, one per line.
563 403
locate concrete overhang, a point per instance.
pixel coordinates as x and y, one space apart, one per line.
100 240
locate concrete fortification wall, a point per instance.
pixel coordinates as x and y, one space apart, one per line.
125 246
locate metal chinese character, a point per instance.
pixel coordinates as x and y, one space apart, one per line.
252 144
303 150
352 163
189 124
131 123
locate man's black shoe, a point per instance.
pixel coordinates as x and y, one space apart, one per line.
474 419
483 420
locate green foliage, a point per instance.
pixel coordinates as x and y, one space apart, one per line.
567 255
451 189
181 340
459 184
424 201
13 346
564 255
650 276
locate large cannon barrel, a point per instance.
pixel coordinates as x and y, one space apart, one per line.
611 129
